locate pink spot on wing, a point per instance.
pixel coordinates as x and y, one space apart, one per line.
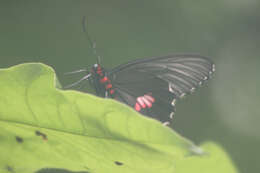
137 107
147 102
150 98
141 102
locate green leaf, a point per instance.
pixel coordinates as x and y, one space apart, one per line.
44 130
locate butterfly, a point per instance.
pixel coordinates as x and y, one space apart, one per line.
151 86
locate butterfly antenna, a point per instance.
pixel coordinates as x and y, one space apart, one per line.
92 44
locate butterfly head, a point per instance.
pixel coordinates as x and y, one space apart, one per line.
97 70
95 66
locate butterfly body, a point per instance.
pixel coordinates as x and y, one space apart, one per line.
152 85
101 82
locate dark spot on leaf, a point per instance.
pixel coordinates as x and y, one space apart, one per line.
57 170
19 139
10 169
43 135
118 163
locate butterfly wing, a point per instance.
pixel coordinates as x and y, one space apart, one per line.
165 79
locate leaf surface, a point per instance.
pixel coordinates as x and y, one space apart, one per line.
44 129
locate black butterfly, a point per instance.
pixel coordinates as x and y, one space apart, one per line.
151 86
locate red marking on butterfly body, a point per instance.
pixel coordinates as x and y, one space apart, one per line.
112 91
99 71
104 79
108 86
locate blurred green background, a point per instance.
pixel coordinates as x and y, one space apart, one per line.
225 110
